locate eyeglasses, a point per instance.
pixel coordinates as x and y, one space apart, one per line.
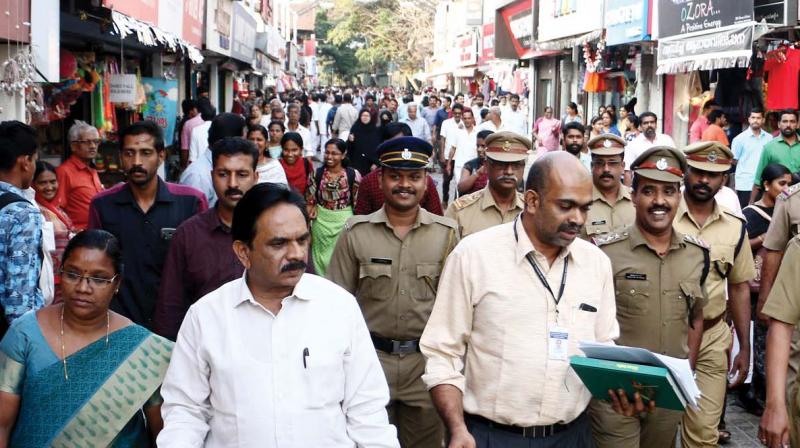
608 163
96 282
96 141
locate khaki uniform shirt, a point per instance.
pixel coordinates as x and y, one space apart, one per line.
783 303
393 280
478 211
488 332
785 222
604 217
656 296
723 231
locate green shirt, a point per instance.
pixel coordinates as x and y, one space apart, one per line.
778 151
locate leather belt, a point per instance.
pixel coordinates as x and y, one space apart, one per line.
394 346
530 432
709 323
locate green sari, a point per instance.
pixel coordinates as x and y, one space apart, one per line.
100 404
325 230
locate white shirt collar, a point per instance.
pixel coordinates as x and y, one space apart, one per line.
302 291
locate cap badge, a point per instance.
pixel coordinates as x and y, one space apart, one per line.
406 155
712 157
662 164
507 146
607 143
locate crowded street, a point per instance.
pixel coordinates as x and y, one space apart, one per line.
400 223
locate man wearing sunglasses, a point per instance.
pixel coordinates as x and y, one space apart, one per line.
78 181
611 207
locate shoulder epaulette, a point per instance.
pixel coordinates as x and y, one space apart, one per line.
696 241
609 238
445 221
467 200
355 220
789 192
733 213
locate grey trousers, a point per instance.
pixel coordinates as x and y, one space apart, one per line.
577 436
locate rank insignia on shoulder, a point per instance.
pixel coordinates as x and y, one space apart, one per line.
467 200
789 191
608 238
696 241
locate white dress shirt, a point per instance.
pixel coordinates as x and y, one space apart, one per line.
271 171
466 144
309 376
198 175
516 121
488 332
419 128
641 144
199 140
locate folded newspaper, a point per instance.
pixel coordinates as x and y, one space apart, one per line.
679 369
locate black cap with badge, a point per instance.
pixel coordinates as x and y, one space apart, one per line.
404 153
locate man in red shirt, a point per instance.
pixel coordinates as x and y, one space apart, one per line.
714 132
701 123
77 177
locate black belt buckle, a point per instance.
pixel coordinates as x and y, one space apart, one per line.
538 432
404 347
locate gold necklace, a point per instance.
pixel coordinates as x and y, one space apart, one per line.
63 347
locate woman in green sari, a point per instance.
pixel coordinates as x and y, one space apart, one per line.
76 373
330 197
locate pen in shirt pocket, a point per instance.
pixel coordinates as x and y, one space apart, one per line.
305 355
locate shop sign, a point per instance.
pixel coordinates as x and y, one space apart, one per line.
170 16
144 10
715 43
627 21
122 88
193 11
676 17
276 45
244 34
218 26
467 49
161 106
487 43
518 18
779 13
558 19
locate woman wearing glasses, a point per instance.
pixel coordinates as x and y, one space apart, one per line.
76 373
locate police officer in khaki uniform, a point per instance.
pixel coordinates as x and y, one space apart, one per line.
499 202
784 226
659 277
781 419
731 266
611 208
391 261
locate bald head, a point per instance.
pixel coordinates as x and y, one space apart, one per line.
557 167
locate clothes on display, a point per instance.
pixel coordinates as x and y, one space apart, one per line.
782 68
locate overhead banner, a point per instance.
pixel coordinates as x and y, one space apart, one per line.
678 17
727 48
487 43
467 49
162 104
193 11
627 21
558 19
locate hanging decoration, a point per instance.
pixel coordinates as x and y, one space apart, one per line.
18 72
593 61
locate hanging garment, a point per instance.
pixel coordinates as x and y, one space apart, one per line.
783 80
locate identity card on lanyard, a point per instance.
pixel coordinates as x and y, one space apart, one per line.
558 337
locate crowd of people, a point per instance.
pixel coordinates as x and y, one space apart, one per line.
305 284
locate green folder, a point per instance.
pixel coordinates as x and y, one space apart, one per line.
652 383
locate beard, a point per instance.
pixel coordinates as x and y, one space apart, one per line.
573 148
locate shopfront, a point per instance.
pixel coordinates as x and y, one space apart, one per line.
697 43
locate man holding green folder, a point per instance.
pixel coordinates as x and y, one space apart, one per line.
659 281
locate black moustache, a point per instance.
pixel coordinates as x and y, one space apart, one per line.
606 176
659 209
702 187
569 228
399 191
512 178
233 191
294 266
136 170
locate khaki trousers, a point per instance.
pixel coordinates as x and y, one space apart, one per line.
410 408
700 426
611 430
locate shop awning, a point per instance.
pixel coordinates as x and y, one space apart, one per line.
464 72
152 36
728 47
568 42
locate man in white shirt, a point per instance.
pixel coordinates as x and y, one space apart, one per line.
419 126
649 137
477 107
501 332
198 141
277 358
515 119
293 125
494 121
325 105
465 145
346 116
447 137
